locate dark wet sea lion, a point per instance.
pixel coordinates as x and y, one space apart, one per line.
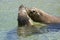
38 15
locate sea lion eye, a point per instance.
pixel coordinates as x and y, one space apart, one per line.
33 12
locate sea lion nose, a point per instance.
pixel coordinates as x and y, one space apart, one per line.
21 7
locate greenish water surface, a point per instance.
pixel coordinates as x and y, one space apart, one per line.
9 11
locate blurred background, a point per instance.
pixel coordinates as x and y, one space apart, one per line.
8 17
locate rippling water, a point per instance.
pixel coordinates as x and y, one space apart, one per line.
8 18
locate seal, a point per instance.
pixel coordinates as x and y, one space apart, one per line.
40 16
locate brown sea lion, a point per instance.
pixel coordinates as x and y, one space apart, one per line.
38 15
25 24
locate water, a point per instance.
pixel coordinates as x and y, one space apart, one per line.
8 18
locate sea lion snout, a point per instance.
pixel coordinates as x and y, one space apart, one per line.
23 18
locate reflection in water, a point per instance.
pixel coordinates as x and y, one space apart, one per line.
54 27
12 35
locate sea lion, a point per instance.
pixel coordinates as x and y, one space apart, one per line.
25 24
40 16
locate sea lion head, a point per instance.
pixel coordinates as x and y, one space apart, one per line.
35 14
